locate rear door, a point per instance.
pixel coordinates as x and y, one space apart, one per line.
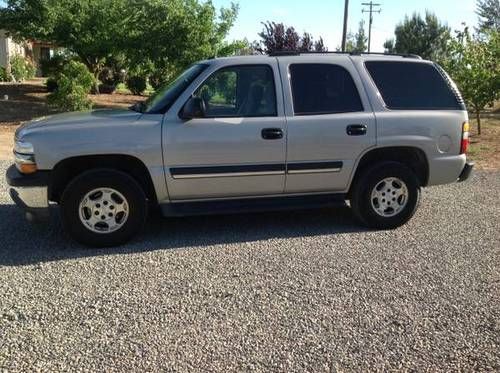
329 119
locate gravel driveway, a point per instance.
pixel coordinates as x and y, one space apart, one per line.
294 291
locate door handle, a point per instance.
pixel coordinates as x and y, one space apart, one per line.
357 129
272 133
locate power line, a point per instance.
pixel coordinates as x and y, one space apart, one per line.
374 8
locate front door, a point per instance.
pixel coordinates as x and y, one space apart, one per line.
238 147
330 122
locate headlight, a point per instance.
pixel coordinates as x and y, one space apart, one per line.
24 157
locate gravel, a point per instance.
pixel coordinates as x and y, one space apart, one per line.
289 291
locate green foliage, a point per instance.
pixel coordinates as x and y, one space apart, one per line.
220 88
54 65
164 35
474 64
51 84
4 77
427 37
74 83
489 15
137 84
21 68
357 43
30 69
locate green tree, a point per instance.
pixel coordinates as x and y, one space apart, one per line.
161 34
389 46
474 64
427 37
356 43
489 15
90 29
170 35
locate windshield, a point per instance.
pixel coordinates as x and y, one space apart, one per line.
165 97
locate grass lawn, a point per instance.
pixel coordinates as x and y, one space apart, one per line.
28 100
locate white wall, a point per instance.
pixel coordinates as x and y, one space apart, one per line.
8 48
3 49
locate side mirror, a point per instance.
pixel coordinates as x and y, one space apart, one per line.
194 108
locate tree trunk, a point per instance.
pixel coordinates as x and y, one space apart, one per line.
96 80
478 118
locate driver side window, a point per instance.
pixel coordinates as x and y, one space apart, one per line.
239 91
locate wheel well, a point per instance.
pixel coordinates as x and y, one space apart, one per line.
68 169
414 158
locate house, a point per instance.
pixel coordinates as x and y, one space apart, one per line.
37 51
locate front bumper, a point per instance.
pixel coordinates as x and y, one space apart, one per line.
466 172
29 192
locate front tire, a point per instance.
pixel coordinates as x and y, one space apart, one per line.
103 208
385 196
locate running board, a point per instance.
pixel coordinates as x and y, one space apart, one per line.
247 205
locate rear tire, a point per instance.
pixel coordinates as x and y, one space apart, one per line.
103 208
385 196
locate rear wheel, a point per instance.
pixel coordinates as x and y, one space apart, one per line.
103 208
386 196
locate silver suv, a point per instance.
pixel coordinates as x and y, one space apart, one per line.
251 133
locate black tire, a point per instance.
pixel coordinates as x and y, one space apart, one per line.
103 178
361 195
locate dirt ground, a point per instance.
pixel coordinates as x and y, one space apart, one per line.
28 101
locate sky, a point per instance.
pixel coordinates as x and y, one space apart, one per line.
325 17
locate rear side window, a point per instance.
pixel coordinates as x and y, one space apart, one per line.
412 86
323 89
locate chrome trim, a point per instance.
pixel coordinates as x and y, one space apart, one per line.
314 171
24 158
228 174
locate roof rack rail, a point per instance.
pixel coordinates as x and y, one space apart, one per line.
298 53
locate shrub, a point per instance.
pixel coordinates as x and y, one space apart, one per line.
54 65
30 69
107 76
137 84
107 88
51 84
21 68
4 77
74 83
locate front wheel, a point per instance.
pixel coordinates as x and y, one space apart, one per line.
386 196
103 208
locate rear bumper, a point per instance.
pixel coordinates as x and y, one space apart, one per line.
466 172
446 169
29 192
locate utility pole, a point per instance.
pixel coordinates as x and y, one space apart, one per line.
371 10
344 34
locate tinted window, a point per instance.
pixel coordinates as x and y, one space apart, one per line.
417 86
239 91
323 89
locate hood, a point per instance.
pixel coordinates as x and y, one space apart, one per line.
92 119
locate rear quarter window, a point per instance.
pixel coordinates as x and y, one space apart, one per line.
413 86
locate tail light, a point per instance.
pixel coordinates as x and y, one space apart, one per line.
465 138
